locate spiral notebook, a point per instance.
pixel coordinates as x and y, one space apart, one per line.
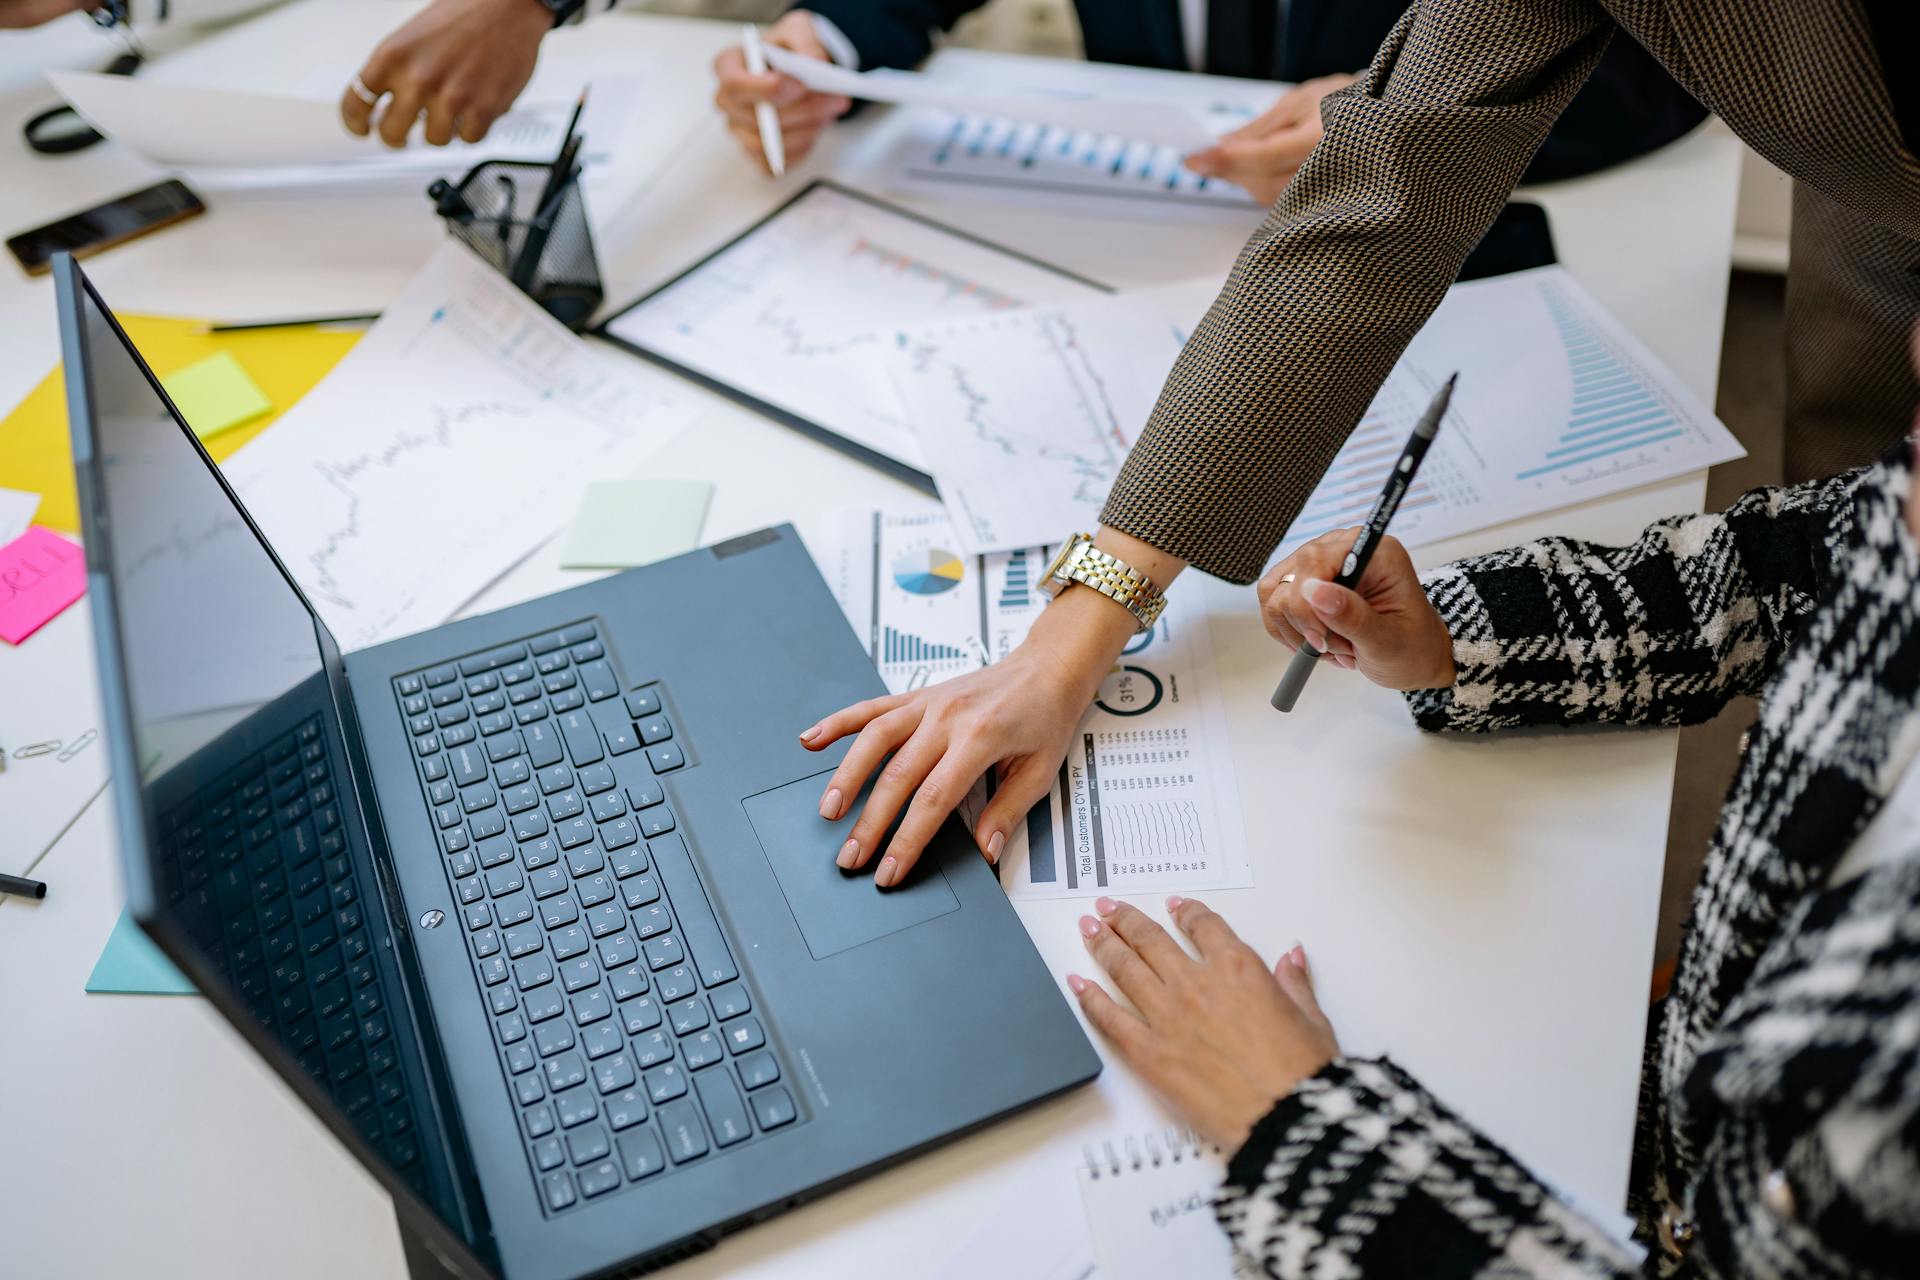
1149 1203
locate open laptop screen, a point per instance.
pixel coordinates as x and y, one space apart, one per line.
248 855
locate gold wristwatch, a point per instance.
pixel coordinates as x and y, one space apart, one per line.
1082 562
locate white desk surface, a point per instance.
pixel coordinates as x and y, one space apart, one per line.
1482 909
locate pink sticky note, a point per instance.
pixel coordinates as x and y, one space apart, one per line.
41 573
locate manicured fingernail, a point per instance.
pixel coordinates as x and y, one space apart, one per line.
810 734
995 843
849 855
1174 901
1322 599
1300 956
1089 926
1105 906
885 876
1076 983
830 804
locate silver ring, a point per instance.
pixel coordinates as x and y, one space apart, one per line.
358 88
1286 578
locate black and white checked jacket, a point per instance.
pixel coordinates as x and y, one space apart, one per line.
1779 1128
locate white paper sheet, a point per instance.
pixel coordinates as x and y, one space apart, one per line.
1160 123
449 443
1146 800
1025 418
49 695
16 512
794 312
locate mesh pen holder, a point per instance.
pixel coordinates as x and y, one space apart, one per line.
546 251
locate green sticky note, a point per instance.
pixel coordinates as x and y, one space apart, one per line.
132 965
215 394
623 523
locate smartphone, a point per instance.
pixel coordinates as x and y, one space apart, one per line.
104 226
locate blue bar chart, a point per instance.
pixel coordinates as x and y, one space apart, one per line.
1614 410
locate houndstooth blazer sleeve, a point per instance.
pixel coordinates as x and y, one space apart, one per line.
1697 610
1419 156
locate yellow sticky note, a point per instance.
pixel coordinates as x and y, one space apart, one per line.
214 394
35 453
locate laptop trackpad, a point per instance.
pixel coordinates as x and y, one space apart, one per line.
836 909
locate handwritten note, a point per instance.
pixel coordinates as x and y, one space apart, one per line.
41 573
1149 1203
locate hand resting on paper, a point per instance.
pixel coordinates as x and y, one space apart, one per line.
1388 630
461 62
1221 1038
804 114
1263 154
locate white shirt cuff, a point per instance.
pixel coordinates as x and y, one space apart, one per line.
838 47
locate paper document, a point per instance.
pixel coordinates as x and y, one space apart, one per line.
1149 1204
1026 418
282 137
16 512
1146 800
49 691
793 314
451 441
1159 123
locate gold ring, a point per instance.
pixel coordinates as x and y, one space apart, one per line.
358 88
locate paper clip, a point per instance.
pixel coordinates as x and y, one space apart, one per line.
33 749
75 747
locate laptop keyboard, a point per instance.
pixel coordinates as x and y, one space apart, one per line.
628 1039
257 863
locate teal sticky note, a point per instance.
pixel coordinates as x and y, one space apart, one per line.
215 394
623 523
132 965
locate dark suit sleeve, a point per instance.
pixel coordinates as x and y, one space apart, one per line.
1630 106
892 33
1418 158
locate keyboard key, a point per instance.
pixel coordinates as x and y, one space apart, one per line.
688 1015
494 851
639 891
409 684
541 852
481 683
451 715
548 1153
578 975
578 633
570 942
504 880
596 677
458 735
529 826
558 911
598 1179
665 758
514 908
547 643
618 950
703 1049
553 1037
548 663
533 971
548 881
528 1089
665 1083
711 958
729 1001
758 1069
539 1121
745 1036
565 1071
558 1190
523 940
576 1106
586 652
656 821
720 1099
543 745
568 700
596 778
519 1056
517 800
651 921
662 952
613 1073
434 768
456 839
502 746
479 915
606 808
605 920
559 680
447 815
440 792
526 710
583 742
567 804
517 672
512 1028
621 739
601 1039
420 724
677 983
485 943
512 773
627 982
585 859
642 703
773 1108
488 704
627 857
650 1047
490 822
653 729
594 890
626 1108
446 695
544 1004
680 1125
555 778
591 1007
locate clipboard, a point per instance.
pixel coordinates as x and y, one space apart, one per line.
734 352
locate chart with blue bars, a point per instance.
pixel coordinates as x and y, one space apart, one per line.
902 646
1016 588
1615 410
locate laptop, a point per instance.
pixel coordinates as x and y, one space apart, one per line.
535 910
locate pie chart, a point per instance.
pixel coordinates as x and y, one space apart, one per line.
928 571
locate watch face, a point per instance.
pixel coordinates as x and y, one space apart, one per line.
1051 581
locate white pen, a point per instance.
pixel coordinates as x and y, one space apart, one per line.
763 112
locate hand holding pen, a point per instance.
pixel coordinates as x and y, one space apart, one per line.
1329 598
